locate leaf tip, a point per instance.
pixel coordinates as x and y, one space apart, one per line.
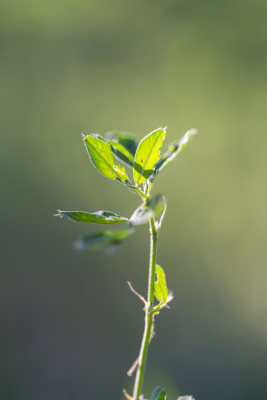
194 131
158 394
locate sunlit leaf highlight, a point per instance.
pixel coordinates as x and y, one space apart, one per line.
127 140
160 285
101 155
122 153
99 217
147 154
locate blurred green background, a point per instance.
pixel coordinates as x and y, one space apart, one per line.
70 328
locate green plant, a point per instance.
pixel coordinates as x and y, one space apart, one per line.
146 162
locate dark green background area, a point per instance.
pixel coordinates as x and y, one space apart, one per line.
70 328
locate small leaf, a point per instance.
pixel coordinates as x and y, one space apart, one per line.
147 154
158 394
160 286
102 239
173 150
153 208
127 140
101 156
99 217
122 153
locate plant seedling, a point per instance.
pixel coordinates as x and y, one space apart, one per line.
146 163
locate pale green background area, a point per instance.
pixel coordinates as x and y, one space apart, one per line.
70 326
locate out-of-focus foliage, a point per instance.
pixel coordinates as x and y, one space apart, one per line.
158 394
102 239
90 66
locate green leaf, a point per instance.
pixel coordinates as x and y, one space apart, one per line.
127 140
160 286
102 157
154 207
122 153
147 154
158 394
99 217
102 239
173 150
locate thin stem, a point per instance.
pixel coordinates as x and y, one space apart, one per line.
139 377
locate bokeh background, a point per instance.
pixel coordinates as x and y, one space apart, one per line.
70 328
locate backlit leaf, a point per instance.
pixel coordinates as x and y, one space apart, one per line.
153 208
173 150
127 140
147 154
122 153
102 157
102 239
160 285
99 217
158 394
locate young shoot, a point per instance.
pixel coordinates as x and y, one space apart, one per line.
108 154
